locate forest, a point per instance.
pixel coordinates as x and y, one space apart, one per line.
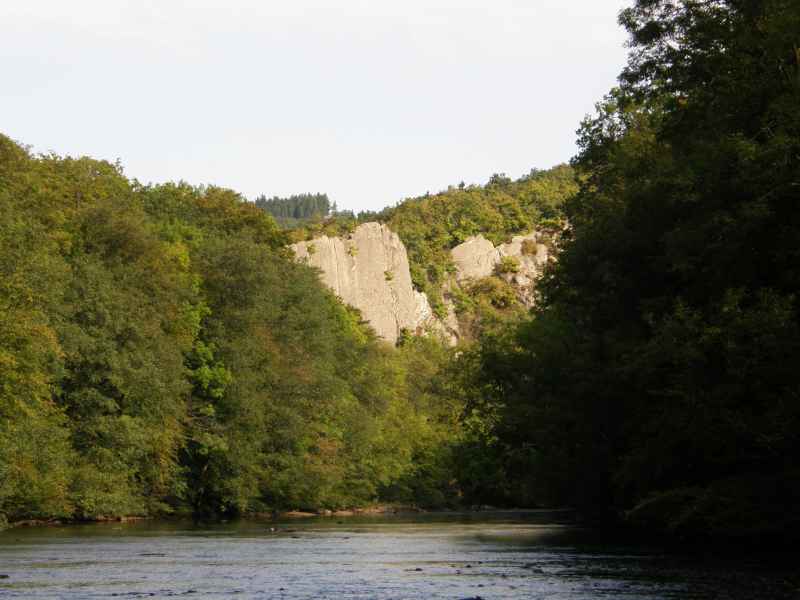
658 378
297 209
161 353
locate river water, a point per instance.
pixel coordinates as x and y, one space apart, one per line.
503 555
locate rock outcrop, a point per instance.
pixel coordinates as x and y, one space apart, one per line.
369 271
477 257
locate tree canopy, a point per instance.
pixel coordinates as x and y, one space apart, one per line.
161 352
659 375
296 209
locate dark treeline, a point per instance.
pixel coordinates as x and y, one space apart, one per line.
659 377
296 209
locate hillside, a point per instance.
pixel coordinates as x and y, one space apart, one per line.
432 226
160 352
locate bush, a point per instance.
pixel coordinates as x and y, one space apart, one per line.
529 248
495 291
507 264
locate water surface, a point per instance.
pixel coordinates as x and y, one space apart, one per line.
504 555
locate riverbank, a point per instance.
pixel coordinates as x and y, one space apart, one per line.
622 527
377 510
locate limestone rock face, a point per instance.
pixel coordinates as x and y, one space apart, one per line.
477 257
532 255
369 270
474 258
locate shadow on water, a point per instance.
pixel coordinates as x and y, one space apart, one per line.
528 554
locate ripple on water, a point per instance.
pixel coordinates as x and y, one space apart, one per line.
365 558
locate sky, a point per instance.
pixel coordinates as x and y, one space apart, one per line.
369 101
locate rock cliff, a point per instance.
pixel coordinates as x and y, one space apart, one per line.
369 270
477 257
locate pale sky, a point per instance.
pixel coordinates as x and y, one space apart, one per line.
370 101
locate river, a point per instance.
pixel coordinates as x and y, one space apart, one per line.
489 556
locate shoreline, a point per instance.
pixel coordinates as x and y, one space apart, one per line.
700 542
295 514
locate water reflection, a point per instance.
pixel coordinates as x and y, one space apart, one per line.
500 555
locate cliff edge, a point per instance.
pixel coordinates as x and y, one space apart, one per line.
369 270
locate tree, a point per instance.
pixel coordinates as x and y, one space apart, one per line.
655 373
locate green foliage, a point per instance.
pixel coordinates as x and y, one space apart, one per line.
507 264
529 248
429 427
340 224
296 209
36 459
658 374
494 291
431 225
160 351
